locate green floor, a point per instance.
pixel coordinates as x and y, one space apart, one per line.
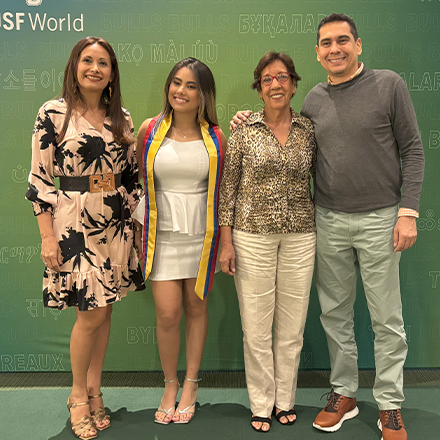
37 414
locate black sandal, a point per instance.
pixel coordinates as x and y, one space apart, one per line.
281 414
267 420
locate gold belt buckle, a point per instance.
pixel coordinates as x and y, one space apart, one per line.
102 182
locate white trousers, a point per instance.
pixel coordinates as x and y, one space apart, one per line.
273 278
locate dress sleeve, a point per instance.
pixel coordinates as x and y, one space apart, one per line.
231 178
130 177
41 190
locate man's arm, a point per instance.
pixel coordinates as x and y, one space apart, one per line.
408 139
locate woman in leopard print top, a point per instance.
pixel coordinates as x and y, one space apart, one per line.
268 236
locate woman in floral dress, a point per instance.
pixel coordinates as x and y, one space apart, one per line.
86 140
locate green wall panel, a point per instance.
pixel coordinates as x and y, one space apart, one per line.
149 37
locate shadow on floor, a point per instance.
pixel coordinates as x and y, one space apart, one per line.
232 421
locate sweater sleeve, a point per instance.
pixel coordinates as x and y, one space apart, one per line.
406 133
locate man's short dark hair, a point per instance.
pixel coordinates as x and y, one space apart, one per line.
338 17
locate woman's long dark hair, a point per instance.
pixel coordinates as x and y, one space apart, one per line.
111 96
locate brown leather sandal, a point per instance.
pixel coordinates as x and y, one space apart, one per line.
99 415
81 426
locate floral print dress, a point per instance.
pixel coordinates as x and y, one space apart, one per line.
95 230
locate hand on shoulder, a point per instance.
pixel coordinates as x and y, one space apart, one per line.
239 118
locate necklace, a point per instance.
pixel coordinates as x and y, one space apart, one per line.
183 134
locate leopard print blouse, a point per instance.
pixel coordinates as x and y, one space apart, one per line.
265 187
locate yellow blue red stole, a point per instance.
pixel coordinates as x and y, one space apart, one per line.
154 136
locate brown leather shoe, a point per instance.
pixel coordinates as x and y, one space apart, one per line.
338 409
391 425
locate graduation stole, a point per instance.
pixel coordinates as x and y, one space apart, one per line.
154 136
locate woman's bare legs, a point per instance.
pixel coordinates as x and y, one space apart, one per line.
82 345
168 300
196 317
95 369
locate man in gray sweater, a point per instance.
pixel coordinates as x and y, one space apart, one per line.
369 148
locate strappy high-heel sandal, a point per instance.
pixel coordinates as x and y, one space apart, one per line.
81 426
167 412
187 410
99 415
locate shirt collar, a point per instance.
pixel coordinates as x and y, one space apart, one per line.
258 117
360 68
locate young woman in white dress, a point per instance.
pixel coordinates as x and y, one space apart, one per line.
180 153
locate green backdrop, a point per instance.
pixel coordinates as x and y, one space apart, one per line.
149 37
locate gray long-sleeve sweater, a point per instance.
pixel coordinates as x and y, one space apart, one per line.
368 143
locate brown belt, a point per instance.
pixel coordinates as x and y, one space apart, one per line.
94 183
